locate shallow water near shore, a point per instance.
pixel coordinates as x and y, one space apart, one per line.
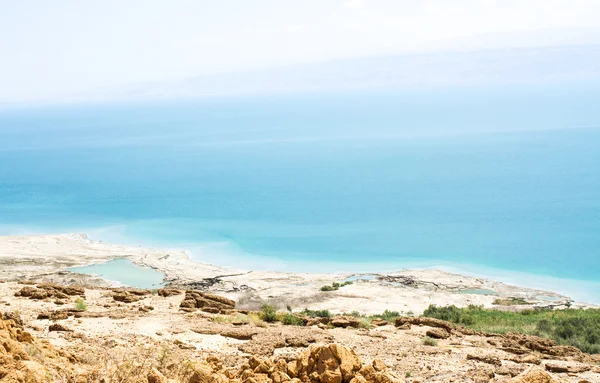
124 272
503 179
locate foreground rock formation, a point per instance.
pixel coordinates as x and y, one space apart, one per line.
169 336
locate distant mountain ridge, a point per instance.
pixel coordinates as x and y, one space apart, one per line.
499 66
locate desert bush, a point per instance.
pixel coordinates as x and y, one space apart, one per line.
292 320
80 304
317 313
427 341
328 288
268 313
389 315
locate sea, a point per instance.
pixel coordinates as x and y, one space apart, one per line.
495 181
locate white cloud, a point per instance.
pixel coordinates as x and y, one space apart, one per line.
353 4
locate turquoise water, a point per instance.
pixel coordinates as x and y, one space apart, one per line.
125 272
502 181
478 292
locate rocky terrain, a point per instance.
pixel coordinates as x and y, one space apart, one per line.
56 333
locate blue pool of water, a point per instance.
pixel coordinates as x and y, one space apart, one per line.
125 272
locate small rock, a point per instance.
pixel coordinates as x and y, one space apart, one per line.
58 327
438 333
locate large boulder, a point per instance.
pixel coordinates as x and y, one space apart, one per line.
438 333
535 375
206 302
424 321
345 321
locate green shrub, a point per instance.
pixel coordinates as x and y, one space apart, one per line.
365 323
570 327
292 320
268 313
80 304
427 341
389 315
335 286
317 313
449 313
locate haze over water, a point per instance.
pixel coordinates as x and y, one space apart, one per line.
496 180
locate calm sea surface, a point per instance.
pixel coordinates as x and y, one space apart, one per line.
497 182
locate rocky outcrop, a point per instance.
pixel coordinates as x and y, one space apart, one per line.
16 363
489 359
331 363
59 327
345 321
129 295
49 290
424 321
438 333
535 375
168 292
14 316
206 302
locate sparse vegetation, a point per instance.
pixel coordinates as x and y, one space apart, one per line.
427 341
291 320
335 286
80 304
510 301
572 327
389 315
317 313
268 313
365 322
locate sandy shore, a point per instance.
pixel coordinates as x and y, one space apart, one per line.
48 258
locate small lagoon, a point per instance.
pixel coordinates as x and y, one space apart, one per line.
124 271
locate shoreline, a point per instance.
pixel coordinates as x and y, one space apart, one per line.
48 258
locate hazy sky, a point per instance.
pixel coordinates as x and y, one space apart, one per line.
50 48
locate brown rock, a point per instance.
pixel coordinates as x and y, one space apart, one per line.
527 358
126 297
379 322
345 321
58 327
239 333
534 375
14 316
481 375
263 344
206 302
431 322
535 343
168 292
314 321
438 333
567 368
24 337
489 359
156 377
201 374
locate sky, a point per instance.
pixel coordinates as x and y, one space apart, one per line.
54 48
